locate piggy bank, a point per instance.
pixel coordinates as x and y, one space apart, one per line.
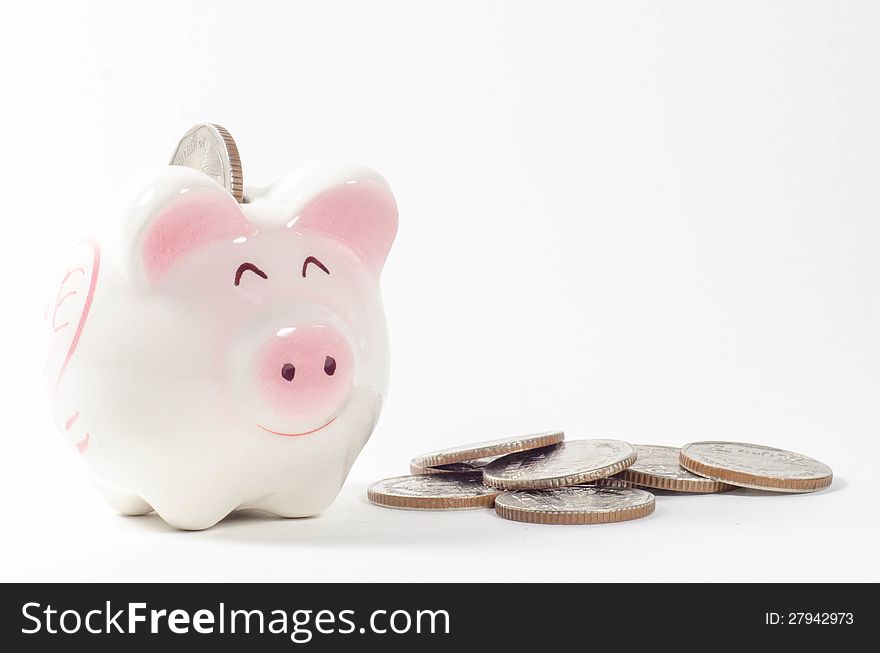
214 356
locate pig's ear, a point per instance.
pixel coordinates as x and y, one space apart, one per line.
179 211
355 206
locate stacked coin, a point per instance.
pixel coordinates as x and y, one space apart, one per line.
545 479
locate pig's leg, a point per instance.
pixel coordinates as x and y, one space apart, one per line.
127 504
189 513
297 502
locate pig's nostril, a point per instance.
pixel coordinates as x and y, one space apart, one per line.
288 371
329 366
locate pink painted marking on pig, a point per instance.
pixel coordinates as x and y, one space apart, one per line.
70 294
67 276
87 305
197 218
310 389
60 300
83 444
296 435
362 214
70 421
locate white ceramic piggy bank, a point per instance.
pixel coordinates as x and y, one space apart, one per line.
220 355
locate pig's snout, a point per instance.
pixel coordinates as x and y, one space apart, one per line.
307 373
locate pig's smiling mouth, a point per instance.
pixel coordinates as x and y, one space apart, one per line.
294 435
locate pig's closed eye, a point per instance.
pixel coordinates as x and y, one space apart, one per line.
248 267
315 261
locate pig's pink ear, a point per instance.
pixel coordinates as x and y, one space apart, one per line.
357 208
180 211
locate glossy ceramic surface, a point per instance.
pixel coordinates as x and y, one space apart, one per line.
215 355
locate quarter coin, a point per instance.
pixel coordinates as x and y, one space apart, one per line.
433 492
465 466
658 467
470 452
568 463
211 149
755 466
575 505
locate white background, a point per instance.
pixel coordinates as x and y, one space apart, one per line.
651 221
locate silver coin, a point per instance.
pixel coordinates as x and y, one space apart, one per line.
433 492
755 466
611 481
469 452
453 468
569 463
211 150
658 467
575 505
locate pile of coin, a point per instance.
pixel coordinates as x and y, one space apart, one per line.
545 479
